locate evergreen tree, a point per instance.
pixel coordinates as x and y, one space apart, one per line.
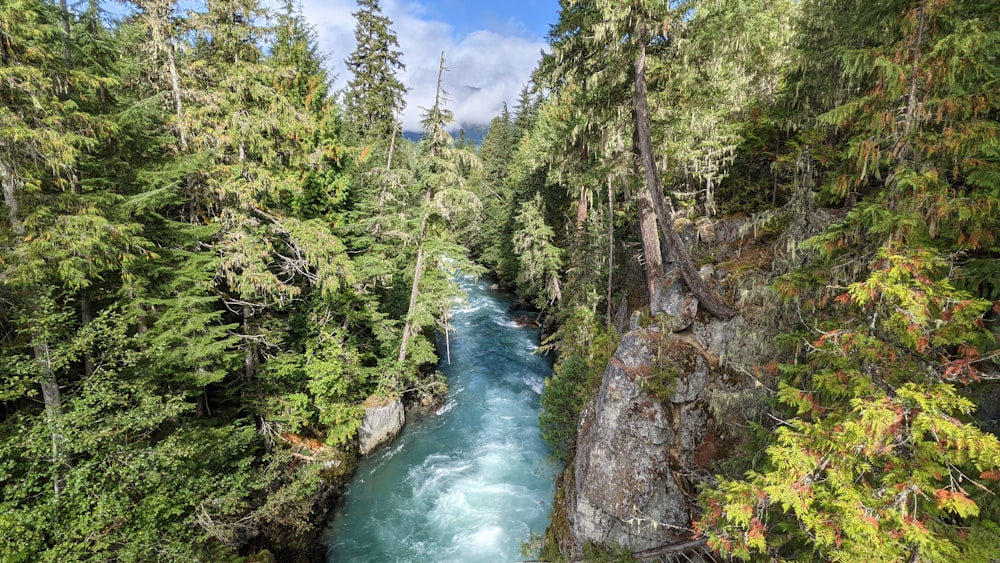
488 238
538 258
525 112
47 133
879 452
444 195
158 177
373 99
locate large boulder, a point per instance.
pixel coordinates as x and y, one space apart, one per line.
674 400
383 421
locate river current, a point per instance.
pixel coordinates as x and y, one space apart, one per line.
472 483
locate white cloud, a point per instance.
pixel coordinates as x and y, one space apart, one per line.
485 68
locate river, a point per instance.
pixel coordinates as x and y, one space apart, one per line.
472 483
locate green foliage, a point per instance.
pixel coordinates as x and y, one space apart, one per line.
515 177
178 289
374 95
879 451
441 177
320 390
539 260
584 350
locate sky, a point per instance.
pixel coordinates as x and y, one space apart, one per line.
490 48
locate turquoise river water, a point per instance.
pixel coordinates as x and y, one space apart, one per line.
473 482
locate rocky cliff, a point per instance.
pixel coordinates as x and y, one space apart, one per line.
674 400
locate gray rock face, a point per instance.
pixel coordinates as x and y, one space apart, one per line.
675 398
652 428
381 425
625 493
674 306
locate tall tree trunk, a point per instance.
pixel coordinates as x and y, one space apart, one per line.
418 269
51 394
611 247
160 18
582 208
904 148
52 397
650 240
64 20
250 353
664 208
10 183
418 272
384 191
175 88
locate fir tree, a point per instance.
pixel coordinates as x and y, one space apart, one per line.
374 99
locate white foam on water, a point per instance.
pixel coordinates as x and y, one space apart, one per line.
447 406
470 308
537 384
505 322
485 540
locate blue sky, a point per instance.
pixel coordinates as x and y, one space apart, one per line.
530 17
490 48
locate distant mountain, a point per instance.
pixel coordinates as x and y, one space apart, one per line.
473 133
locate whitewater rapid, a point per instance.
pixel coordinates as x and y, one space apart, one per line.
473 482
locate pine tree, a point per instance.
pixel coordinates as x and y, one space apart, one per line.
48 133
662 206
525 112
130 192
538 258
159 16
590 38
488 238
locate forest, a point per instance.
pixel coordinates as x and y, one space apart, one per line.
211 262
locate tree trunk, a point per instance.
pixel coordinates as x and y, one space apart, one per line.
10 183
52 398
175 87
581 211
64 20
611 247
51 395
911 97
418 269
64 17
384 190
85 317
662 207
650 241
250 354
418 272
